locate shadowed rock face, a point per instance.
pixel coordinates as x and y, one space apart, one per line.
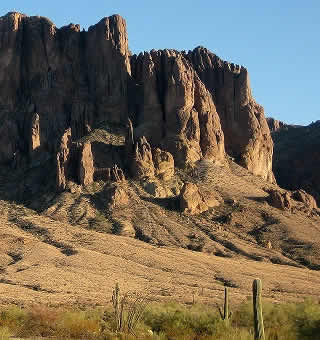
297 158
191 105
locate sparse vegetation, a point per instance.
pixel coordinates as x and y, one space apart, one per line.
131 316
166 321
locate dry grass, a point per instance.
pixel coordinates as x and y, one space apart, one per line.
66 254
164 321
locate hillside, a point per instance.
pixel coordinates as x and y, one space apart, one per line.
154 171
57 257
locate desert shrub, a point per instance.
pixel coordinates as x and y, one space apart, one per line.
77 325
13 318
307 319
39 321
176 320
4 333
291 321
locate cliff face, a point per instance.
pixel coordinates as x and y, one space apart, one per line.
191 105
175 109
69 78
297 158
274 124
247 136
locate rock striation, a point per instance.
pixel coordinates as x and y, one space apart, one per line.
58 84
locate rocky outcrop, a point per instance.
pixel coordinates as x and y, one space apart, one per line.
86 169
246 133
142 164
63 160
292 201
296 162
174 108
308 200
275 125
117 197
74 162
182 106
70 77
280 200
193 202
163 164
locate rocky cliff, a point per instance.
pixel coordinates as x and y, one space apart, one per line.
297 158
58 85
275 125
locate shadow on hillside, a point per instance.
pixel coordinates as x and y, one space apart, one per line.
256 199
170 203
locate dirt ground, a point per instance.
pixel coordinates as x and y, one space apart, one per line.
47 259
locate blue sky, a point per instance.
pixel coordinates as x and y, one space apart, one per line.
277 41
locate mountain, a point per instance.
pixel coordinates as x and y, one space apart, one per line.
297 157
151 170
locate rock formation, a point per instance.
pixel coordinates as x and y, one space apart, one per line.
280 199
275 125
142 163
175 110
193 202
292 200
59 84
308 200
297 158
117 197
163 163
246 133
63 160
86 169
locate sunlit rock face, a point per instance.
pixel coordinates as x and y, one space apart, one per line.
59 83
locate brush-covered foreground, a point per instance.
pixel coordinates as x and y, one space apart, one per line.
164 321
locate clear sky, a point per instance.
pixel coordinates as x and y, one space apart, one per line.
277 41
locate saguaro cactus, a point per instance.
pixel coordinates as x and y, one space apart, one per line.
257 310
226 304
116 306
226 314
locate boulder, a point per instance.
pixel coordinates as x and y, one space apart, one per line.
156 189
163 163
308 200
280 199
117 197
193 202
